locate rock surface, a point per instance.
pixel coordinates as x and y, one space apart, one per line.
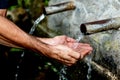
107 43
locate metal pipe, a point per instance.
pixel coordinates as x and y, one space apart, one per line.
99 26
60 7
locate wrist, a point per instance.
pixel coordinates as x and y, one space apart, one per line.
39 45
49 41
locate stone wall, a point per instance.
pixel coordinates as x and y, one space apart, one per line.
106 44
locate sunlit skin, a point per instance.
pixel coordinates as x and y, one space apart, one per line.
3 12
61 48
69 42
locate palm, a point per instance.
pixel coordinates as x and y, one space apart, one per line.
63 40
71 43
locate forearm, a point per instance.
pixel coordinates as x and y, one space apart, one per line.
6 42
3 40
17 37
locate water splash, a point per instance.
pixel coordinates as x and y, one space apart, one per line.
36 22
80 37
18 66
89 59
62 74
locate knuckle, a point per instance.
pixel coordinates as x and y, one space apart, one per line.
67 64
74 61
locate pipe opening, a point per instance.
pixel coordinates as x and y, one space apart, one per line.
44 11
83 28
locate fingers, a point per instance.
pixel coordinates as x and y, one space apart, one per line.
75 55
67 59
84 50
84 53
83 46
77 45
69 56
70 39
68 62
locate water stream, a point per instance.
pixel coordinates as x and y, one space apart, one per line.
36 22
88 59
63 72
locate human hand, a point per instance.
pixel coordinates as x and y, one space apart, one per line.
82 48
64 40
67 55
63 54
57 40
68 51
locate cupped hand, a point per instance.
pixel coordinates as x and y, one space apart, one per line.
67 55
63 54
82 48
67 50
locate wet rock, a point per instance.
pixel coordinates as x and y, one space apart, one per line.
107 43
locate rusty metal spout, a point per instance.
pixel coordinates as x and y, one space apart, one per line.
99 26
60 7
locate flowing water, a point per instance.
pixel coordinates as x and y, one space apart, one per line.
36 22
88 59
63 72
